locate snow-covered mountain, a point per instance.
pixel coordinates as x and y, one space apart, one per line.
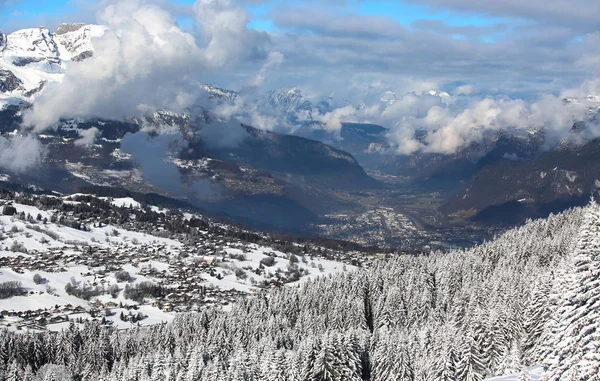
29 58
592 102
591 98
288 100
220 95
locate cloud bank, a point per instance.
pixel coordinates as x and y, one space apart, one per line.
510 74
144 62
434 121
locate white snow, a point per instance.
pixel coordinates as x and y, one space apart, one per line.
535 374
36 56
40 298
124 202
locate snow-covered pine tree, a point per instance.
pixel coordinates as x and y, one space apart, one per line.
537 314
13 373
472 362
326 366
576 336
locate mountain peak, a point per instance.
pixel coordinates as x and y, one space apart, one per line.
68 27
294 91
29 58
289 100
219 94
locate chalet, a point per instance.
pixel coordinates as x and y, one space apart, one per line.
78 309
172 296
58 319
40 320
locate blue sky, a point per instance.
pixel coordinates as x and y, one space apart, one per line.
405 13
29 9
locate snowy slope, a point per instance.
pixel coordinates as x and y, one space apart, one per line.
36 56
30 244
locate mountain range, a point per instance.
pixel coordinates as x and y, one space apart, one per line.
294 179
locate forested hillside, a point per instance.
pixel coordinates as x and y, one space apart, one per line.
525 298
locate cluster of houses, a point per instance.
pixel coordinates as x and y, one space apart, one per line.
185 279
40 318
184 275
38 261
184 300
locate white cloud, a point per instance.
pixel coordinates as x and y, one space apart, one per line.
145 62
20 153
274 60
333 120
464 89
450 128
228 38
87 137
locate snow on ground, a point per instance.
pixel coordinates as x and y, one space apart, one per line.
37 237
125 202
535 374
41 298
316 267
228 266
31 239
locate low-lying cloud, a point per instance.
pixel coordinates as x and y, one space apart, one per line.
88 137
140 64
437 122
19 153
155 155
146 62
450 127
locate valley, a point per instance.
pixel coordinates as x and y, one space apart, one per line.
299 176
216 190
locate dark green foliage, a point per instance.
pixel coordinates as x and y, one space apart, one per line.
141 290
9 210
268 261
10 288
